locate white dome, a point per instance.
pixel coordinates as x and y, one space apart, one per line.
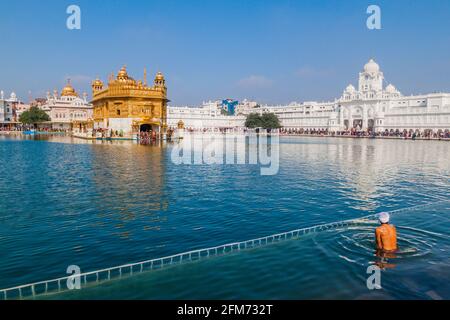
371 67
391 88
350 89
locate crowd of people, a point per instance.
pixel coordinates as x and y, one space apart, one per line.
405 134
148 136
31 128
103 133
8 129
216 130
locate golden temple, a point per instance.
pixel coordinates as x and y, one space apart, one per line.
127 106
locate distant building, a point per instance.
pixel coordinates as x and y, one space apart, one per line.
246 107
229 106
370 107
21 108
38 102
8 110
67 111
208 116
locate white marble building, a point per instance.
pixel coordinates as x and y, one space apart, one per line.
67 110
370 106
208 116
8 115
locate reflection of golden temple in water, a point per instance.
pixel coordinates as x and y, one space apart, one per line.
128 106
123 164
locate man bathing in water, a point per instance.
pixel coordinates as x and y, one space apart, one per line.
386 235
386 239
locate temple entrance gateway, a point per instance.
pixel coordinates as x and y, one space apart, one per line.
357 124
146 128
346 124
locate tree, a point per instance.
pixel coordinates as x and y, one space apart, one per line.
34 116
270 121
266 121
253 121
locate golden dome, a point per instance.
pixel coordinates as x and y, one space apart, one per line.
159 76
122 75
68 91
97 83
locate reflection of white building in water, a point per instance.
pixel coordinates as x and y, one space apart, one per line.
68 110
369 106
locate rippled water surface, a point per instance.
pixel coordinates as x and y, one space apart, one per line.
98 205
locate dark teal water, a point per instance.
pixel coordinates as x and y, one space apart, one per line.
98 205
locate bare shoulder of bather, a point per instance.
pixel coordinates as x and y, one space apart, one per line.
386 236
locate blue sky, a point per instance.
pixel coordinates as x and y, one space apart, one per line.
270 51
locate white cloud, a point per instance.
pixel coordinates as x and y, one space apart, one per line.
255 81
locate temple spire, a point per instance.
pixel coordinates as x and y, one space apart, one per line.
145 76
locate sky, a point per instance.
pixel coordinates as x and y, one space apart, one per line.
273 52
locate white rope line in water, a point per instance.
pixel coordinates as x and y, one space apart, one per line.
56 285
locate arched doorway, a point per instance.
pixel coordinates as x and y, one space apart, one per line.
356 116
357 124
371 124
146 128
346 124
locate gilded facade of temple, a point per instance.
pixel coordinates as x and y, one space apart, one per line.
127 106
